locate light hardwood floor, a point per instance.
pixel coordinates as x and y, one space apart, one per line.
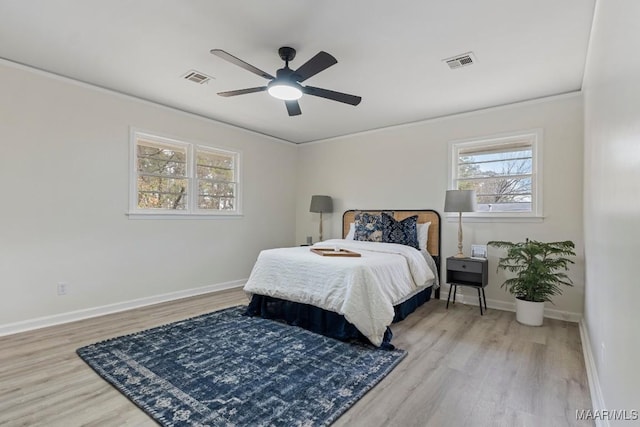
462 370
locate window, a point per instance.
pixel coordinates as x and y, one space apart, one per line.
505 172
170 177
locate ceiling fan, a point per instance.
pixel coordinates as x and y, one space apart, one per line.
286 85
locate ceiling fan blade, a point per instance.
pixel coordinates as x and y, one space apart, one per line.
332 95
318 63
240 63
293 108
243 91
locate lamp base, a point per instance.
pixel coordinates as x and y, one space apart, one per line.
459 255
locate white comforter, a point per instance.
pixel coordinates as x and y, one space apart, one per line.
362 289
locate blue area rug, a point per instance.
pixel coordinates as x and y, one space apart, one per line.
226 369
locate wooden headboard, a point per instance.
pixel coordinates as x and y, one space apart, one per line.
427 215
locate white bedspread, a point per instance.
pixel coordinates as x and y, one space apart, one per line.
362 289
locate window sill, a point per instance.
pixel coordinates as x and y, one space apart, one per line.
174 215
496 217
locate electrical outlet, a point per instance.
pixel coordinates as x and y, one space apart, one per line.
62 288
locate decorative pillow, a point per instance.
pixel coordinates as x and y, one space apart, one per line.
423 235
403 232
352 232
368 227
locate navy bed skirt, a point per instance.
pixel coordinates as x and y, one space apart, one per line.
326 322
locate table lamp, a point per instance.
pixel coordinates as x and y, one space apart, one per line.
460 201
321 204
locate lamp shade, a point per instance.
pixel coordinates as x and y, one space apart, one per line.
321 204
460 201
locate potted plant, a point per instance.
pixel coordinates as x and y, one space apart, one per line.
539 270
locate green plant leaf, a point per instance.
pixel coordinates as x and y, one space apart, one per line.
538 268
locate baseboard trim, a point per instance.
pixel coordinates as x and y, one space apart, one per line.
72 316
597 400
509 306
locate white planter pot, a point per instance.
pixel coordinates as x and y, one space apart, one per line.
529 313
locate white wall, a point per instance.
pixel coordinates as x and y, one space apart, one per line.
65 182
405 167
612 202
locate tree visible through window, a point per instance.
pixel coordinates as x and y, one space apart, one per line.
501 170
162 177
174 176
216 180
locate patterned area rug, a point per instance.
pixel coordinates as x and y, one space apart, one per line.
226 369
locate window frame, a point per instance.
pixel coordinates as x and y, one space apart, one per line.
533 137
192 208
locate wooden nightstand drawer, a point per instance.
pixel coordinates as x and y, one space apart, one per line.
464 265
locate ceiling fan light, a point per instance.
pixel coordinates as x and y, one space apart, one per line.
284 91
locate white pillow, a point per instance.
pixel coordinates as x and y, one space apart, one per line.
423 235
352 232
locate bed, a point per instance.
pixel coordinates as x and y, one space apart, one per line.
350 297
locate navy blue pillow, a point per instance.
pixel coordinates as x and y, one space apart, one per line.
404 232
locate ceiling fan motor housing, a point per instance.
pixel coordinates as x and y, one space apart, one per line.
285 73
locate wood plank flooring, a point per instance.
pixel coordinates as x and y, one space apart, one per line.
462 370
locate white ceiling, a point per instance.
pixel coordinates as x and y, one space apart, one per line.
389 53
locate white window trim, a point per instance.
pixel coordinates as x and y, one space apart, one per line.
536 214
192 211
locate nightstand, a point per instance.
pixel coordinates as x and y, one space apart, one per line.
471 272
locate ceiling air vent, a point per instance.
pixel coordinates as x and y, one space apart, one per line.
197 77
461 60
